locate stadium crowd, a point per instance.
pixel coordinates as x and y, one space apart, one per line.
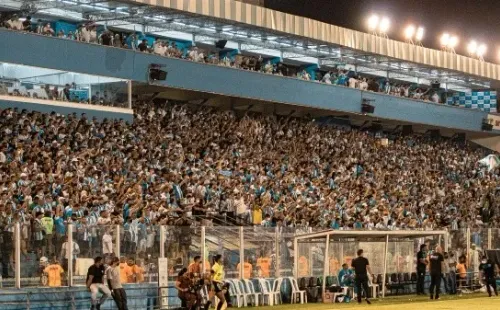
91 33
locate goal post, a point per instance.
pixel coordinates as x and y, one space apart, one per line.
321 254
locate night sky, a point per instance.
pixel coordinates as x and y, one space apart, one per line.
468 19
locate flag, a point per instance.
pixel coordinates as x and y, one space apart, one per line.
491 161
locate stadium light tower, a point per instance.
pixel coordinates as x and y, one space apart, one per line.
481 51
373 22
409 33
472 48
414 35
448 42
384 26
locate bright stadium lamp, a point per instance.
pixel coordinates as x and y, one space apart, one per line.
384 25
409 32
453 42
373 23
420 34
445 40
481 51
472 47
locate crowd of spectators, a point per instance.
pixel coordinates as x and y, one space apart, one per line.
89 33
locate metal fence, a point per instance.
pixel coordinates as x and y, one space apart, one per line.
247 251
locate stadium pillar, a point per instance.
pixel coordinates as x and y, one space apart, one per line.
242 254
447 241
386 248
295 258
117 242
277 247
203 250
17 254
325 266
162 241
467 240
129 93
70 254
489 238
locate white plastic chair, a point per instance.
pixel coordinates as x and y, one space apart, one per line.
251 293
277 291
296 292
234 292
266 292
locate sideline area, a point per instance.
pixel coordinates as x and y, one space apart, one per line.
464 302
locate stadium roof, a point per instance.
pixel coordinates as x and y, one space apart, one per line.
254 29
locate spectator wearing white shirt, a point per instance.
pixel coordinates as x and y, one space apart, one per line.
65 254
107 243
353 82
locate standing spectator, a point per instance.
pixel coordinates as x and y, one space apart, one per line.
143 46
47 30
48 228
66 92
451 262
95 283
361 269
436 267
107 243
421 268
353 82
27 24
38 234
113 275
65 254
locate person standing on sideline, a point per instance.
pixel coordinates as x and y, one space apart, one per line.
487 269
436 269
421 267
95 283
114 283
361 269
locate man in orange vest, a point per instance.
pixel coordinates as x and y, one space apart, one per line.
264 264
247 269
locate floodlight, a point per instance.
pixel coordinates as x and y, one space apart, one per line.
409 32
373 22
384 25
445 39
472 47
420 34
481 50
452 43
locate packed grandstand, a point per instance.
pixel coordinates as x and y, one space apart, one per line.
183 166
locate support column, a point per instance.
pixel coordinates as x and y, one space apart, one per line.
467 240
295 258
325 266
386 248
489 238
117 241
447 241
17 254
204 254
277 247
129 93
69 251
162 241
90 93
242 254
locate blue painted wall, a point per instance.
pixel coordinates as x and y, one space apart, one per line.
100 115
106 61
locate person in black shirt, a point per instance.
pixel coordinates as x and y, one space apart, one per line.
421 266
487 269
95 283
361 268
436 268
143 46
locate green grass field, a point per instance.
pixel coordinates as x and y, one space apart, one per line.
465 302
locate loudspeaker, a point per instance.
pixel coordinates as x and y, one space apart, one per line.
157 75
487 126
435 84
407 130
221 44
367 109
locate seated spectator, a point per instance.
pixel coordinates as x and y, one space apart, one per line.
143 47
47 30
346 276
27 26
